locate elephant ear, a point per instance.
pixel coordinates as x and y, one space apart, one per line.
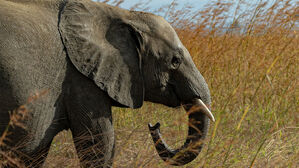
105 50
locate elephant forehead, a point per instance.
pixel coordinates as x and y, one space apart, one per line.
170 36
167 32
158 28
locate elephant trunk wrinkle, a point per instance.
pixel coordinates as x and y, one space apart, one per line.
198 124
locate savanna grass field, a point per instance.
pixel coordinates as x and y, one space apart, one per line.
249 56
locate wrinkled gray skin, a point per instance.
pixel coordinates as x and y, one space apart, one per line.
89 56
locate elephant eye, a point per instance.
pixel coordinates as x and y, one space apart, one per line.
175 62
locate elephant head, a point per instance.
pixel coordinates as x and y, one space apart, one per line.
136 57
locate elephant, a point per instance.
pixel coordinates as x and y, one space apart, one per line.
86 57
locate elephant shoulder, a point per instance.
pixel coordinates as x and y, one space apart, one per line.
24 23
20 11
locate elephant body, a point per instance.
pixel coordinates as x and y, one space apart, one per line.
79 58
34 62
25 69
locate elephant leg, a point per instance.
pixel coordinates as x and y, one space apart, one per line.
31 142
34 159
95 142
90 117
37 158
32 150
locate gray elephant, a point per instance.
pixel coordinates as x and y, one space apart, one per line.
90 56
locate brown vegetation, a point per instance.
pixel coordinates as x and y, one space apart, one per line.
250 60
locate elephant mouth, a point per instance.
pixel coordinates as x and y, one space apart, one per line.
199 116
194 103
176 102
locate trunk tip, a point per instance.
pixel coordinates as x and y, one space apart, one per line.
155 127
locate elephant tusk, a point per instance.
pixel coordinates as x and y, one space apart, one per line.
197 105
206 110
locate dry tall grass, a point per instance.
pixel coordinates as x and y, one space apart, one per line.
249 55
9 156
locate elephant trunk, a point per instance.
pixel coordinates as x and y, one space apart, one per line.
199 116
